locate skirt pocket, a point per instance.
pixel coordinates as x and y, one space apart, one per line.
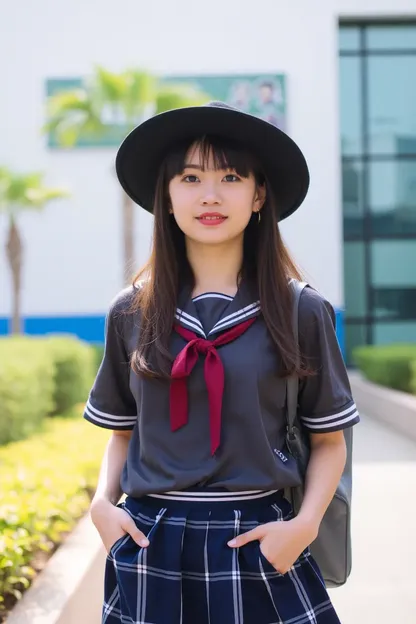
118 544
269 567
264 564
146 524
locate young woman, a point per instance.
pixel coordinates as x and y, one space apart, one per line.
192 385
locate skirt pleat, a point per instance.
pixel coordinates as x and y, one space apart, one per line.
189 575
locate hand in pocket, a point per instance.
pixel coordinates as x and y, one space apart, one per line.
112 523
281 542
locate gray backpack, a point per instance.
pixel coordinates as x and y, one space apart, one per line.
332 547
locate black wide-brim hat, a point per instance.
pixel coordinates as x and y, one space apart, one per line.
143 150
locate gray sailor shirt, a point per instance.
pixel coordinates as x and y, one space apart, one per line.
252 453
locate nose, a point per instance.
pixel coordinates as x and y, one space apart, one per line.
210 196
210 199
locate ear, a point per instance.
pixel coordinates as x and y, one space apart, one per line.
259 198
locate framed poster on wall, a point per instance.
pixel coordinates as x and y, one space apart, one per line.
263 95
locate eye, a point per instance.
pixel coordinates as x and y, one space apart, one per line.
190 179
230 177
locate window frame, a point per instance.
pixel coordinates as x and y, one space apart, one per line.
364 160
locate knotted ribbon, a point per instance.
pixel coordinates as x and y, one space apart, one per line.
213 373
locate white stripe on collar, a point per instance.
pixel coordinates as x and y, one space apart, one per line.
190 324
238 319
236 316
213 296
189 316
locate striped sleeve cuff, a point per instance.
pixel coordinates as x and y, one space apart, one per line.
341 419
106 420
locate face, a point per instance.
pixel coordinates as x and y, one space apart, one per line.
266 94
212 207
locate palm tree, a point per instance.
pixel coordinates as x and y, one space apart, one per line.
125 98
20 192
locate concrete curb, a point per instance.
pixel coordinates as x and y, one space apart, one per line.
69 589
395 409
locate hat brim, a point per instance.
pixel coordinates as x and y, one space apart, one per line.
142 151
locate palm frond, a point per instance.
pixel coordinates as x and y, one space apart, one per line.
26 191
38 197
109 98
71 114
140 95
177 95
111 85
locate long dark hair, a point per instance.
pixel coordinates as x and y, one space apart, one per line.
267 265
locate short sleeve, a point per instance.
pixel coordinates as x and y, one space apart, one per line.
325 399
111 404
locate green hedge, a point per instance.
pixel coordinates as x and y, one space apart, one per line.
98 354
389 365
26 387
46 485
40 377
74 370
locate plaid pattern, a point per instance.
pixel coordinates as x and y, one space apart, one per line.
188 574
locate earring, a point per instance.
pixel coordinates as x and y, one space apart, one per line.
259 216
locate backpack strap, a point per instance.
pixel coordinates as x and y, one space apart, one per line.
292 383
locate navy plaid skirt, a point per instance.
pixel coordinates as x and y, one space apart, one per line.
188 574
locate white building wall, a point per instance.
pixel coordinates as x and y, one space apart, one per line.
73 259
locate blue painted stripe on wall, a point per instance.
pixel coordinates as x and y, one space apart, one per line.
91 328
4 326
340 329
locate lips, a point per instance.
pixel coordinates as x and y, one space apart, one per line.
211 218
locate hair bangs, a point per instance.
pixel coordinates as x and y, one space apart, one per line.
218 151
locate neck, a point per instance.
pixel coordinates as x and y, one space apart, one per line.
215 267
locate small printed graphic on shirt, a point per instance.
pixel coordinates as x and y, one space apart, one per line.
280 455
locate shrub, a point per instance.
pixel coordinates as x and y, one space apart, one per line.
74 370
387 365
26 387
46 485
41 376
98 353
413 378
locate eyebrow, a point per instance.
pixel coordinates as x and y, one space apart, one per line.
194 166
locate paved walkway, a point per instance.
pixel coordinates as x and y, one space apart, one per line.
382 586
